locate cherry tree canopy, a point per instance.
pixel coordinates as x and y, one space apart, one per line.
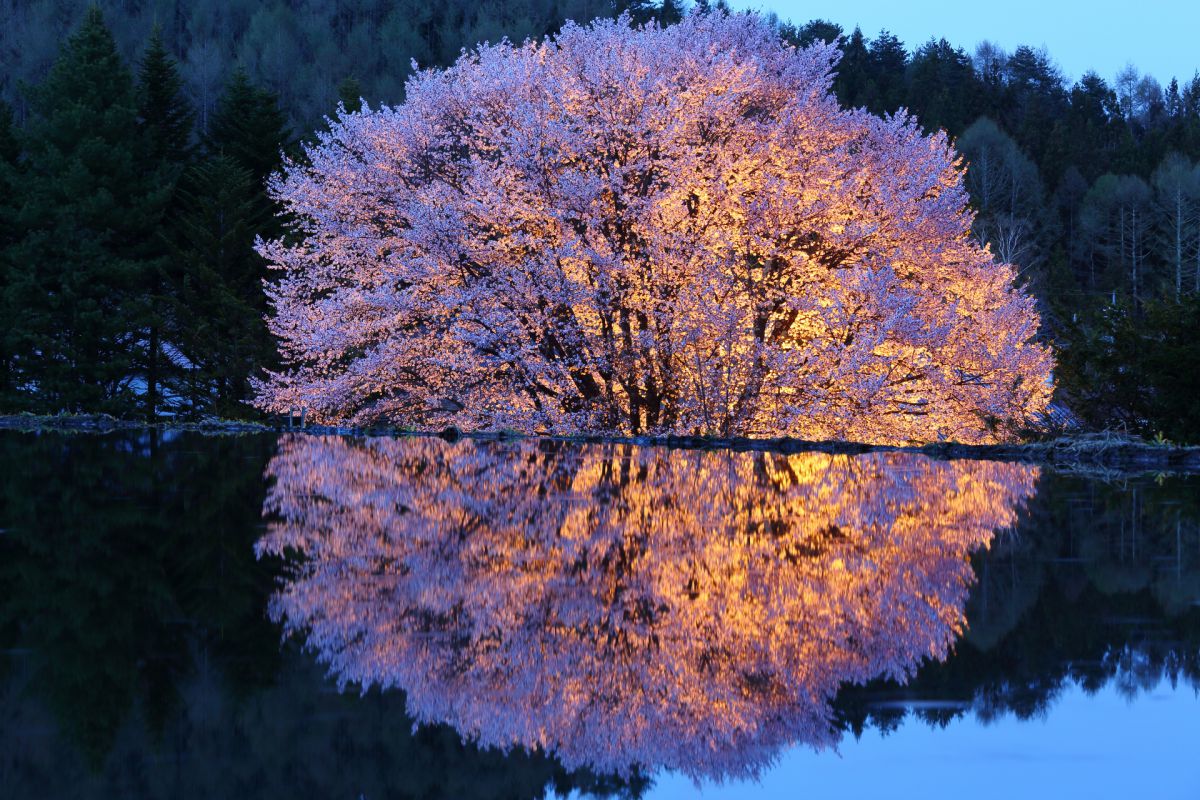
645 230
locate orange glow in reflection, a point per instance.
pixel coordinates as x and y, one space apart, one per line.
626 607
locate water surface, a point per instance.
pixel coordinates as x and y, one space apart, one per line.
257 616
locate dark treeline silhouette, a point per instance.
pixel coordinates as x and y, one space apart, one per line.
135 139
129 277
304 50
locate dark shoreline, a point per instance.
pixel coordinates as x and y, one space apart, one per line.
1104 452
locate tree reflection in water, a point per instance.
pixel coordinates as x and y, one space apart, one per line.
627 608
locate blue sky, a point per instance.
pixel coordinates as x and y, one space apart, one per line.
1159 38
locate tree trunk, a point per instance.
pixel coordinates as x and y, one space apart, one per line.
1178 243
152 375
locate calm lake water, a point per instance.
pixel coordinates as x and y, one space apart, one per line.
298 616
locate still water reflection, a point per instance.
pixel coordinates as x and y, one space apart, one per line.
617 620
628 608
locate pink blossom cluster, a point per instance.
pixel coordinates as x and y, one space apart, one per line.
645 230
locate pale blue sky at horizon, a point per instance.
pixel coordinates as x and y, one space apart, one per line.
1159 38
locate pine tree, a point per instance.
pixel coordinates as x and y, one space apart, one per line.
165 119
853 70
350 94
9 153
87 222
888 62
818 30
670 12
226 205
215 285
165 114
249 127
9 149
942 89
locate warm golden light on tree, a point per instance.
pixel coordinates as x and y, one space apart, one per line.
627 607
646 230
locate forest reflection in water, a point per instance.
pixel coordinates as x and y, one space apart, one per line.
138 658
628 609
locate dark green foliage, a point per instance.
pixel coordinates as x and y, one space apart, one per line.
163 110
642 10
886 63
9 180
1094 125
250 130
818 30
215 280
350 94
299 49
9 149
853 74
89 209
1140 369
1034 100
216 298
166 120
670 11
248 127
944 91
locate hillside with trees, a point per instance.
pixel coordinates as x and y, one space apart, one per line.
135 139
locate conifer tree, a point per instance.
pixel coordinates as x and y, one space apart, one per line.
9 152
817 30
217 277
216 287
165 118
670 12
350 94
887 64
851 83
249 127
165 114
88 215
8 139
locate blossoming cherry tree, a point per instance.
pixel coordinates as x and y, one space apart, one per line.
643 230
